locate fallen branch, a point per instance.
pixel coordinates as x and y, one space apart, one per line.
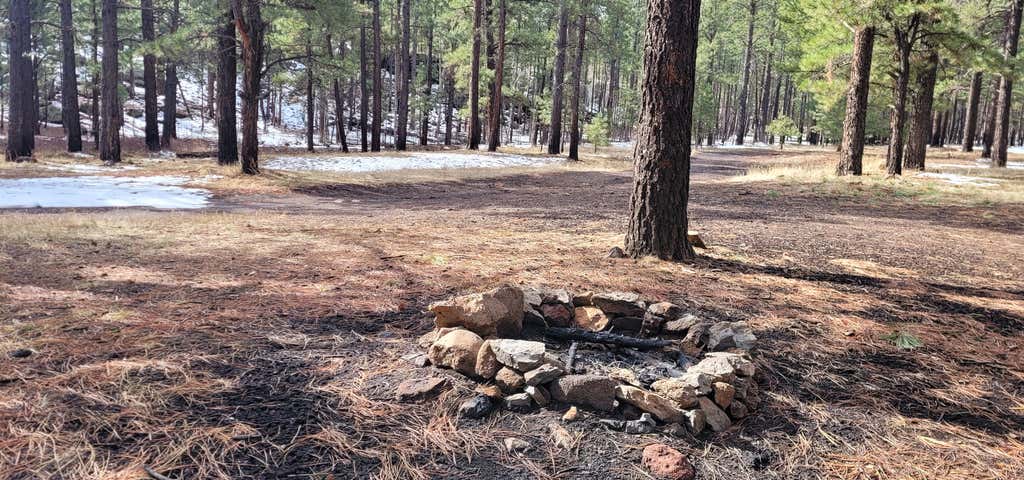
572 357
152 473
604 337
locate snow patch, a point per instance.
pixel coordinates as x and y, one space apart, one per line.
162 192
415 160
956 179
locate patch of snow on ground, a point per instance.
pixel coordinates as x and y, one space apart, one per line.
86 168
162 192
415 160
956 179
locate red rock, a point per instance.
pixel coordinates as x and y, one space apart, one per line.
668 463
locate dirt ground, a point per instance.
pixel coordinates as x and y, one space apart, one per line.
261 338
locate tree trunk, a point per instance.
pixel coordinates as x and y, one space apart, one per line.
364 92
851 159
427 85
402 74
748 59
69 80
988 134
227 76
251 29
449 86
474 77
310 96
494 133
904 44
21 126
149 79
110 117
94 113
340 124
661 185
558 80
577 83
171 91
921 124
377 81
1000 141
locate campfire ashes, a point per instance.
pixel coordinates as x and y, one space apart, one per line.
610 353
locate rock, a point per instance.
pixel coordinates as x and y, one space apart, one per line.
456 350
561 437
724 394
543 374
614 424
619 303
695 339
667 463
516 445
627 324
539 395
571 414
695 240
585 299
428 339
740 362
519 402
715 417
726 335
492 391
661 407
616 252
594 391
695 421
509 380
624 375
685 389
479 406
522 355
590 318
531 316
538 295
417 359
667 310
556 315
553 360
487 364
645 424
498 312
681 325
21 353
738 410
675 430
652 325
419 388
741 385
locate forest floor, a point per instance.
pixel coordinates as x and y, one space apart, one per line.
261 337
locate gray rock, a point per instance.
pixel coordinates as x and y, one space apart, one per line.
738 410
619 303
522 355
616 252
724 394
695 421
417 359
479 406
539 395
420 388
456 350
664 409
726 335
516 445
681 325
668 311
740 362
594 391
543 374
644 425
519 402
715 417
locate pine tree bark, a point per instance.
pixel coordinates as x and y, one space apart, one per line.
364 92
171 90
988 134
474 77
748 59
449 86
921 123
904 38
577 84
70 113
151 108
251 30
227 77
22 111
661 185
377 81
340 123
558 80
1000 141
310 97
94 110
497 98
402 77
110 115
852 156
427 85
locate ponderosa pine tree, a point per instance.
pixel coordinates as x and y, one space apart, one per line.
71 117
310 95
558 79
227 102
150 106
921 121
577 84
497 97
402 74
1001 131
427 84
661 185
378 81
251 30
22 112
905 36
170 131
110 115
474 77
748 59
852 154
971 119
